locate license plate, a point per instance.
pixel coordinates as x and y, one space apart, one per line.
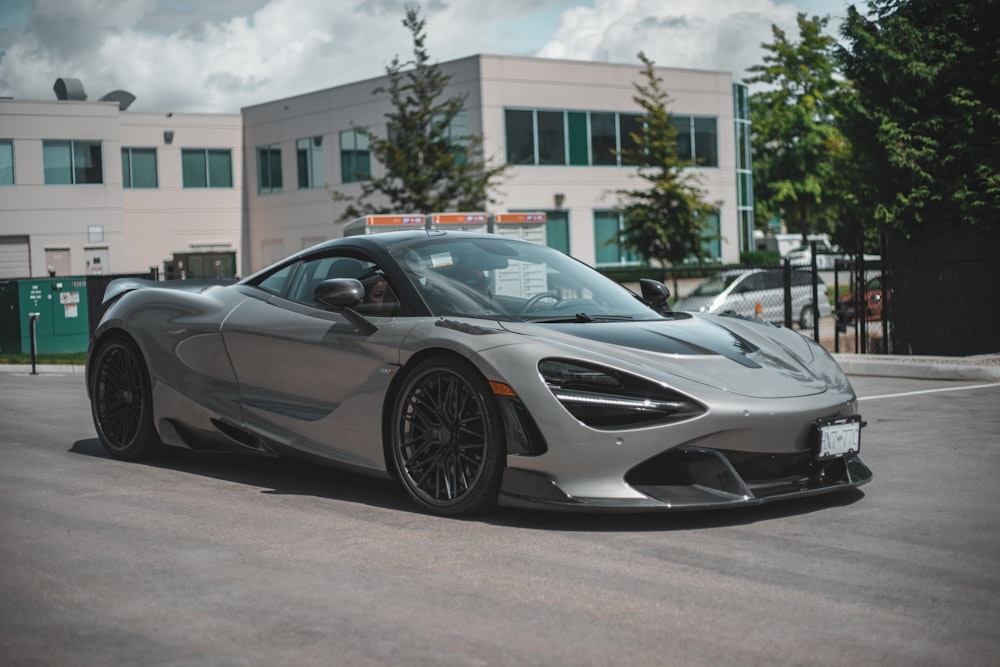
839 436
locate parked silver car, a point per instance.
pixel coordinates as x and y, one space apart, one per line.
477 370
760 294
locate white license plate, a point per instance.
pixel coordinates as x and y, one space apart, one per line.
839 437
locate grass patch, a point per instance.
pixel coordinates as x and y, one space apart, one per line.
63 359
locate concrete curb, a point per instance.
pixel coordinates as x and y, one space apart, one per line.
981 368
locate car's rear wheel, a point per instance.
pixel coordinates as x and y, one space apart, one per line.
121 401
447 438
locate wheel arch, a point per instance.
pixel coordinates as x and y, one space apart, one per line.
395 386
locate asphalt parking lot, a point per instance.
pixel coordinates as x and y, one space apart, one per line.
214 560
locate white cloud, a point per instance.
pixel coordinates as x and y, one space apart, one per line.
219 56
719 35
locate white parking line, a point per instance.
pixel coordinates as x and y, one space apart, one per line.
929 391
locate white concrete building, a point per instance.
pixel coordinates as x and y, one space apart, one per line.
161 188
86 188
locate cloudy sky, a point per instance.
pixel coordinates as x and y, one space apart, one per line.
222 55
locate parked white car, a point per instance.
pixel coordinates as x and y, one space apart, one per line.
759 293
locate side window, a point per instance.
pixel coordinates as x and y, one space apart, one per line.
275 283
380 299
774 280
753 283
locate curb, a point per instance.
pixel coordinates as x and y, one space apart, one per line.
981 368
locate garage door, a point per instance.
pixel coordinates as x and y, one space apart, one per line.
15 258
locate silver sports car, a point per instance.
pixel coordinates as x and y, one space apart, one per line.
477 370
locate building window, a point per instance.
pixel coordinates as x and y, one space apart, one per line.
139 168
599 138
744 166
577 139
697 140
458 134
609 248
269 169
355 158
207 168
520 136
712 245
551 137
6 162
603 138
310 162
72 162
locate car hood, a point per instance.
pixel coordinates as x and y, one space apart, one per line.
741 356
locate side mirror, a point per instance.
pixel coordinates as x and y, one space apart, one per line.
656 294
339 293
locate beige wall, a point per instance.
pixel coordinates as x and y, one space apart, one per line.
143 227
131 229
280 223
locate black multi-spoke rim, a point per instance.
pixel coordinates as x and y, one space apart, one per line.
442 437
119 393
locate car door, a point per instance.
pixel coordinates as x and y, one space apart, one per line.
310 379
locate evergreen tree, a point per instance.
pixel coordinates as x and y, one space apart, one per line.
426 168
667 221
798 151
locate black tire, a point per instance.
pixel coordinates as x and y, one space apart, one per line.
447 438
121 401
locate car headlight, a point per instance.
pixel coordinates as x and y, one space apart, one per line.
608 399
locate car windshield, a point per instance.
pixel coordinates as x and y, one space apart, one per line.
715 286
514 280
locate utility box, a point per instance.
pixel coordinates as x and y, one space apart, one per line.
63 323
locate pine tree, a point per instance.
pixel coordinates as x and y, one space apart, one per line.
667 221
426 168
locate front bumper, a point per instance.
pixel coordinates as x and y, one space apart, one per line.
693 478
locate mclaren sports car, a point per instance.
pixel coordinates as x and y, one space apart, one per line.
478 370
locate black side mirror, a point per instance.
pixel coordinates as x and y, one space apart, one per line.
338 293
341 295
656 294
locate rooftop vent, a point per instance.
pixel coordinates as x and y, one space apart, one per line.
69 89
123 97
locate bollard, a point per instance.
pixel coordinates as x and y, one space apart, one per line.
34 343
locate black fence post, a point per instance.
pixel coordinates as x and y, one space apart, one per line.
788 292
32 317
815 291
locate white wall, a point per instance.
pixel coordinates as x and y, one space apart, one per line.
139 228
280 223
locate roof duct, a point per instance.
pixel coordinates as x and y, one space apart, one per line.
123 97
69 89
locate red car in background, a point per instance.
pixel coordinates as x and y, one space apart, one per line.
872 298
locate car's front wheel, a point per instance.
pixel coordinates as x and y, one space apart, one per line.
447 438
121 401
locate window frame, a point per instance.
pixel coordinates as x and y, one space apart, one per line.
128 178
269 176
206 164
73 170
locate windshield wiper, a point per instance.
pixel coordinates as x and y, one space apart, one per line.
582 318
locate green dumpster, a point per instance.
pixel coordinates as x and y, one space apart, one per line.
63 324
